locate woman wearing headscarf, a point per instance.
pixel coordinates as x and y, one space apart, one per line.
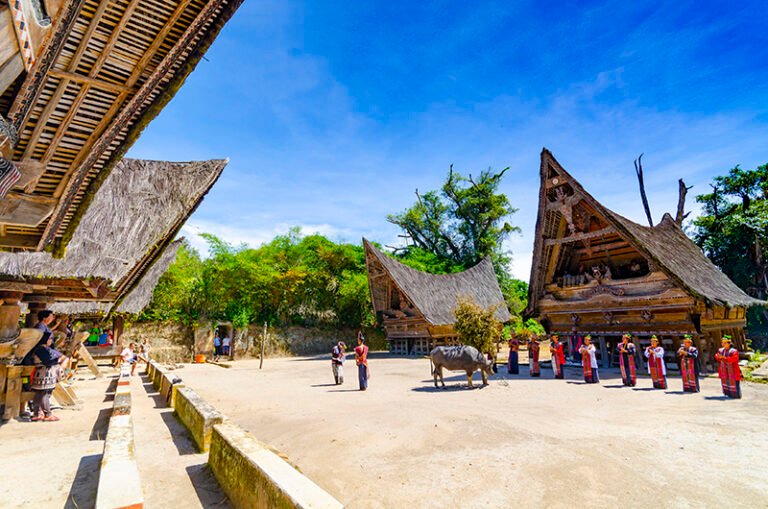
533 356
47 374
558 356
626 351
513 366
728 369
689 364
589 360
656 367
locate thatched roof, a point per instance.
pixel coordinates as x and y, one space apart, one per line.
666 245
136 298
141 295
134 216
105 70
436 296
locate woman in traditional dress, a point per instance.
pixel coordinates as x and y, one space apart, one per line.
533 356
589 361
627 360
656 366
558 356
361 359
513 367
728 369
689 364
48 372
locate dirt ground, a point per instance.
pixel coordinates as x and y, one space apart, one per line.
520 442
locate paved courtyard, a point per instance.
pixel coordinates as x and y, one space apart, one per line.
520 442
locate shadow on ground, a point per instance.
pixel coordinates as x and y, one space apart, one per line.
83 490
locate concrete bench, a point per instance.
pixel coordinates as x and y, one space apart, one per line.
119 481
253 476
197 415
168 389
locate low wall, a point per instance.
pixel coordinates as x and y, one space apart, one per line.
119 481
254 476
197 415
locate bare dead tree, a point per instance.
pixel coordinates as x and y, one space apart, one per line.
682 190
639 171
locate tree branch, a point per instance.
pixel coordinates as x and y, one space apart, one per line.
682 190
639 171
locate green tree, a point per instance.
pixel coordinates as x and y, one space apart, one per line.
733 230
476 326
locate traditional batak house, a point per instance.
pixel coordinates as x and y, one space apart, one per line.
416 308
596 272
121 247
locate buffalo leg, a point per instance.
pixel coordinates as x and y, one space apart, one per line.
485 377
469 379
434 374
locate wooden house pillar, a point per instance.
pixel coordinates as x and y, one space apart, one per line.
118 324
10 312
35 304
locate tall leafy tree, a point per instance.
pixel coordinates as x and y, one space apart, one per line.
733 230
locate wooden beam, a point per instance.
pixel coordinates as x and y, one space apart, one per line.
86 357
580 236
87 80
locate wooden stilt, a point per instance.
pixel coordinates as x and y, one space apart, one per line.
89 361
64 395
13 393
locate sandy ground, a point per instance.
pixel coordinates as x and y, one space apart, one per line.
56 464
64 457
520 442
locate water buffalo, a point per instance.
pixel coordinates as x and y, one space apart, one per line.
460 358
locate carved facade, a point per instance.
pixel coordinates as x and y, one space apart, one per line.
597 272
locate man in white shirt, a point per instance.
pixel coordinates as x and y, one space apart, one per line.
225 346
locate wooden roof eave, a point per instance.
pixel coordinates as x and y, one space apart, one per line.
206 16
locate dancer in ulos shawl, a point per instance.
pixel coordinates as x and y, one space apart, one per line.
728 369
533 356
361 359
627 360
656 366
689 364
589 361
558 356
513 366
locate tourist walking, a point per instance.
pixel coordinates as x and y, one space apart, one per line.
656 366
216 346
728 369
337 361
558 356
589 360
627 352
48 372
513 365
129 355
361 359
689 364
533 356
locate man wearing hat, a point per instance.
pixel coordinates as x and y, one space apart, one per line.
689 364
728 369
337 362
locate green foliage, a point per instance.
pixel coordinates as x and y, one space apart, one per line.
295 279
464 222
733 231
456 227
476 326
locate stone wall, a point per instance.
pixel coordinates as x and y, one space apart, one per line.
171 341
174 342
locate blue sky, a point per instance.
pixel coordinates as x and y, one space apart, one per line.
333 113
